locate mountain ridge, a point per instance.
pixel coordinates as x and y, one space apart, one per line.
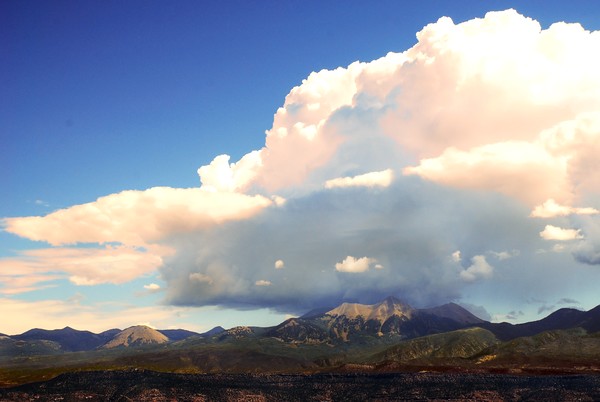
389 336
69 339
563 318
388 320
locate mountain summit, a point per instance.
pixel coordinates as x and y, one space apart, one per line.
390 318
380 311
136 336
394 318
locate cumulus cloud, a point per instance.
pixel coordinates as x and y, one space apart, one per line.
494 103
221 175
373 179
263 282
152 287
551 232
456 257
485 87
492 121
518 169
351 264
551 208
137 218
479 269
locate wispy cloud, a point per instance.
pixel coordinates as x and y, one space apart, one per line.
81 266
545 309
373 179
41 203
567 301
20 315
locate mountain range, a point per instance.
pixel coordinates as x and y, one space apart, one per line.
386 336
71 340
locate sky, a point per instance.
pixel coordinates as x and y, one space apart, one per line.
198 164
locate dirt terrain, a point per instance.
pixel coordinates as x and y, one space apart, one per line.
142 385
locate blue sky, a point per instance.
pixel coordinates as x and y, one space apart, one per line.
100 98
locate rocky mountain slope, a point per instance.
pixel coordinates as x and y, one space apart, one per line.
175 335
388 319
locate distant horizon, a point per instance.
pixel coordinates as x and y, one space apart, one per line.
201 165
228 328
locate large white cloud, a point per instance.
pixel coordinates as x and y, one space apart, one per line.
138 218
468 100
483 106
559 164
466 136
